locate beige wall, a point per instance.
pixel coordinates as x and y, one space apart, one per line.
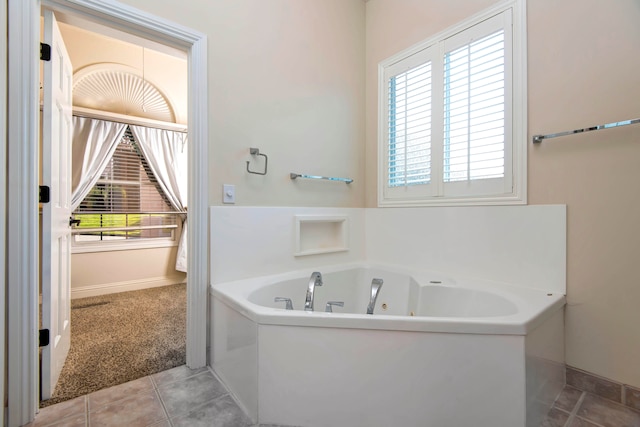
124 268
285 76
583 71
583 67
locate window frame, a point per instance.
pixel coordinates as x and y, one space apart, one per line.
127 245
432 194
106 245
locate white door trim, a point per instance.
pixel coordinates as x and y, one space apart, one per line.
22 211
3 199
22 175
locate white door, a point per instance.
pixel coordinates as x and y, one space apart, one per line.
56 236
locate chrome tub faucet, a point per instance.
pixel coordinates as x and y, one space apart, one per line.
314 280
376 284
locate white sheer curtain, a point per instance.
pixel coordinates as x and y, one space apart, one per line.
94 142
166 154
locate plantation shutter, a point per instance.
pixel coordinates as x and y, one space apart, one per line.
408 133
474 110
446 117
477 109
410 127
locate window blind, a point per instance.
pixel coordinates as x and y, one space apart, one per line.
126 184
474 110
126 202
410 127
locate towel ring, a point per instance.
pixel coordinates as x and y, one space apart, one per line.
256 152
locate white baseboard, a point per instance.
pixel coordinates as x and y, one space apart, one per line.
131 285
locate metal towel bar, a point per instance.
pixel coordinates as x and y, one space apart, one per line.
538 138
299 175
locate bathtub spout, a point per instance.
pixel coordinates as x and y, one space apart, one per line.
314 280
376 284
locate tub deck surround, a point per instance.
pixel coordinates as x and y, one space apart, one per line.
346 368
439 303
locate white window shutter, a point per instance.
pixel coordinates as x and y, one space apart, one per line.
410 127
447 119
474 126
408 122
477 110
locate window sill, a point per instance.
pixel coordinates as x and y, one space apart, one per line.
121 246
460 201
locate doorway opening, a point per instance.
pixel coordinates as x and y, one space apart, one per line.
128 210
22 272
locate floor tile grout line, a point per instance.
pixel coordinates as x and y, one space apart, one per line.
575 409
86 410
164 408
153 382
574 413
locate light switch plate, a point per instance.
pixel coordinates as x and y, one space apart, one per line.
228 193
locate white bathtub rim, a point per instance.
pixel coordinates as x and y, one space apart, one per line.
533 305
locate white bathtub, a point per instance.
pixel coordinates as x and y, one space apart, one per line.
437 351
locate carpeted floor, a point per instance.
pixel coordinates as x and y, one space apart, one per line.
121 337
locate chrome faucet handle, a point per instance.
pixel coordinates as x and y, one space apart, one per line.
288 305
329 308
376 284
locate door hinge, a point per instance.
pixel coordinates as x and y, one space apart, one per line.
45 194
43 337
45 52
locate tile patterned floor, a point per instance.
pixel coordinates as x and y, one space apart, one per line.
174 398
184 397
577 408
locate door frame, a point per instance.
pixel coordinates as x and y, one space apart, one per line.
22 178
3 200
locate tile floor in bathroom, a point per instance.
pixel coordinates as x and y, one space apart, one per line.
185 397
177 397
577 408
